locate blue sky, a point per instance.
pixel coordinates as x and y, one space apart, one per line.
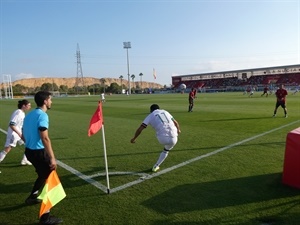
38 38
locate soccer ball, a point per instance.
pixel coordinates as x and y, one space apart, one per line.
182 86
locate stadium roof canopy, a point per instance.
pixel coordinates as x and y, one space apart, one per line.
243 73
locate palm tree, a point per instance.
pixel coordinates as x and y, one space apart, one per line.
102 80
132 77
141 78
121 77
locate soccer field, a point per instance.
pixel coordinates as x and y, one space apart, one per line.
225 169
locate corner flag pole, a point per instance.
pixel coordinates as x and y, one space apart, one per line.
96 124
105 159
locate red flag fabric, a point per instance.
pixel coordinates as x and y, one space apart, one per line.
96 121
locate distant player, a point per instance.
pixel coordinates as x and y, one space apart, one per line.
102 97
281 94
297 90
192 96
271 91
251 93
266 89
248 90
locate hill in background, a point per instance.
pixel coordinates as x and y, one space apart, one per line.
88 81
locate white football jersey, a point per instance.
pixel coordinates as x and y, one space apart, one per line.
16 119
161 121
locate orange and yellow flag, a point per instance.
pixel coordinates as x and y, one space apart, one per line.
52 193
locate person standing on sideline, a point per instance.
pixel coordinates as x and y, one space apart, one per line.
102 97
14 131
251 94
38 149
296 90
192 96
167 130
281 94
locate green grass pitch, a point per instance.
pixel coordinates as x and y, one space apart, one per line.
225 169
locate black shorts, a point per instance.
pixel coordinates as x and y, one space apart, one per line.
40 160
191 100
280 103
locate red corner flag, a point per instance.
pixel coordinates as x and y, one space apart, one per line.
96 121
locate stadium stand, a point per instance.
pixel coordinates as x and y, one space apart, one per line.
241 79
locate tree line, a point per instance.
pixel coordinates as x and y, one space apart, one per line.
94 89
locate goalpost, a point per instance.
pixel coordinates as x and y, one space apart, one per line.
7 86
55 93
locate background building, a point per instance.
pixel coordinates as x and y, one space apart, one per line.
235 80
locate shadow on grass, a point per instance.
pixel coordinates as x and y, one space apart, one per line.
173 151
127 98
236 119
68 181
13 208
59 138
258 221
20 223
279 219
221 194
17 188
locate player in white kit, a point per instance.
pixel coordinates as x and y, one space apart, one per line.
14 131
167 130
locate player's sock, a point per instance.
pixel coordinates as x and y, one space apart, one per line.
2 155
162 157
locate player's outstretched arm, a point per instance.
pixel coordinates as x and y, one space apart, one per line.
137 133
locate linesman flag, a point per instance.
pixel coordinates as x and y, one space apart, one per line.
52 193
96 121
154 73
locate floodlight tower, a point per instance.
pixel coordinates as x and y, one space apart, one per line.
127 45
79 79
8 91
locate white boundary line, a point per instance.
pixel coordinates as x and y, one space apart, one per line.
198 158
3 131
145 176
82 176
